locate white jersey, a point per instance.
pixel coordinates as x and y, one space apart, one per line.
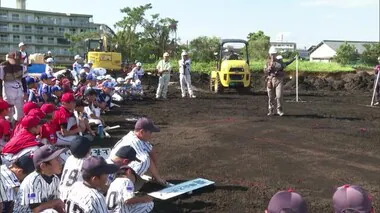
49 70
184 67
71 174
142 148
121 190
33 190
8 185
85 199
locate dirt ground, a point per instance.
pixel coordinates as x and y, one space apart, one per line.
330 140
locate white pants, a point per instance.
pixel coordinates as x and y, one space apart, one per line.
64 141
140 207
94 121
185 82
163 83
14 96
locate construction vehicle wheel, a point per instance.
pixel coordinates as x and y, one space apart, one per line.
218 88
211 86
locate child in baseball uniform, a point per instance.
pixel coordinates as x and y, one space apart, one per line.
80 149
45 91
10 178
85 196
33 95
39 190
121 198
5 126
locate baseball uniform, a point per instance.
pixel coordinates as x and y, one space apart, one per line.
142 149
121 190
71 174
84 199
8 185
34 190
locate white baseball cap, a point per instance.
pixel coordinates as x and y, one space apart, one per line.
77 57
49 52
86 66
139 64
279 57
184 53
166 54
49 60
21 44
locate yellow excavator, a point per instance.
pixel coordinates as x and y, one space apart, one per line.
101 51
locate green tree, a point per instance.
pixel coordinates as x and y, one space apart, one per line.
77 41
259 45
346 54
203 48
370 54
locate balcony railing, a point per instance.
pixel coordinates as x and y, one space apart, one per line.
4 39
34 21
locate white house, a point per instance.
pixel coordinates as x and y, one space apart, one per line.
326 50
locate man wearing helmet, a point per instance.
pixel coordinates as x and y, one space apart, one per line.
377 87
274 71
164 69
184 75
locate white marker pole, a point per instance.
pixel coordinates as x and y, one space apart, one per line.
375 87
297 78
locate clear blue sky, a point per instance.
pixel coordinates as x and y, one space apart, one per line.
305 22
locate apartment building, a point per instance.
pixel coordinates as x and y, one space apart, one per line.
42 31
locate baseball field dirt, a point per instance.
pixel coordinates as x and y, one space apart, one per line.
331 140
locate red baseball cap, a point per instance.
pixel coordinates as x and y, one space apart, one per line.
29 106
68 97
4 104
47 108
31 121
36 113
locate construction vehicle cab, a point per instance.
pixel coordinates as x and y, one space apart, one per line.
102 53
232 69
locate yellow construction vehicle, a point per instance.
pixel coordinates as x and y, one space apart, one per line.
101 51
232 69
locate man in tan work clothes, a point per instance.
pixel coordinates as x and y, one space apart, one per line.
275 82
164 68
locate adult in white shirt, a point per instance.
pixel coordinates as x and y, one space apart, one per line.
49 67
138 139
184 75
164 69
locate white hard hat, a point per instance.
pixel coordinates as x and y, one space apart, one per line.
86 66
279 57
272 50
120 80
90 62
77 57
138 64
166 54
49 60
21 44
184 53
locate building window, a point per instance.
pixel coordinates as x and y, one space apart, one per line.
40 39
15 17
51 30
16 28
28 29
72 30
3 37
3 27
61 30
3 16
50 40
16 38
62 41
28 39
39 29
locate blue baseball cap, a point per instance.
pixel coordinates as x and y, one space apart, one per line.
31 80
46 76
90 77
108 85
56 88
